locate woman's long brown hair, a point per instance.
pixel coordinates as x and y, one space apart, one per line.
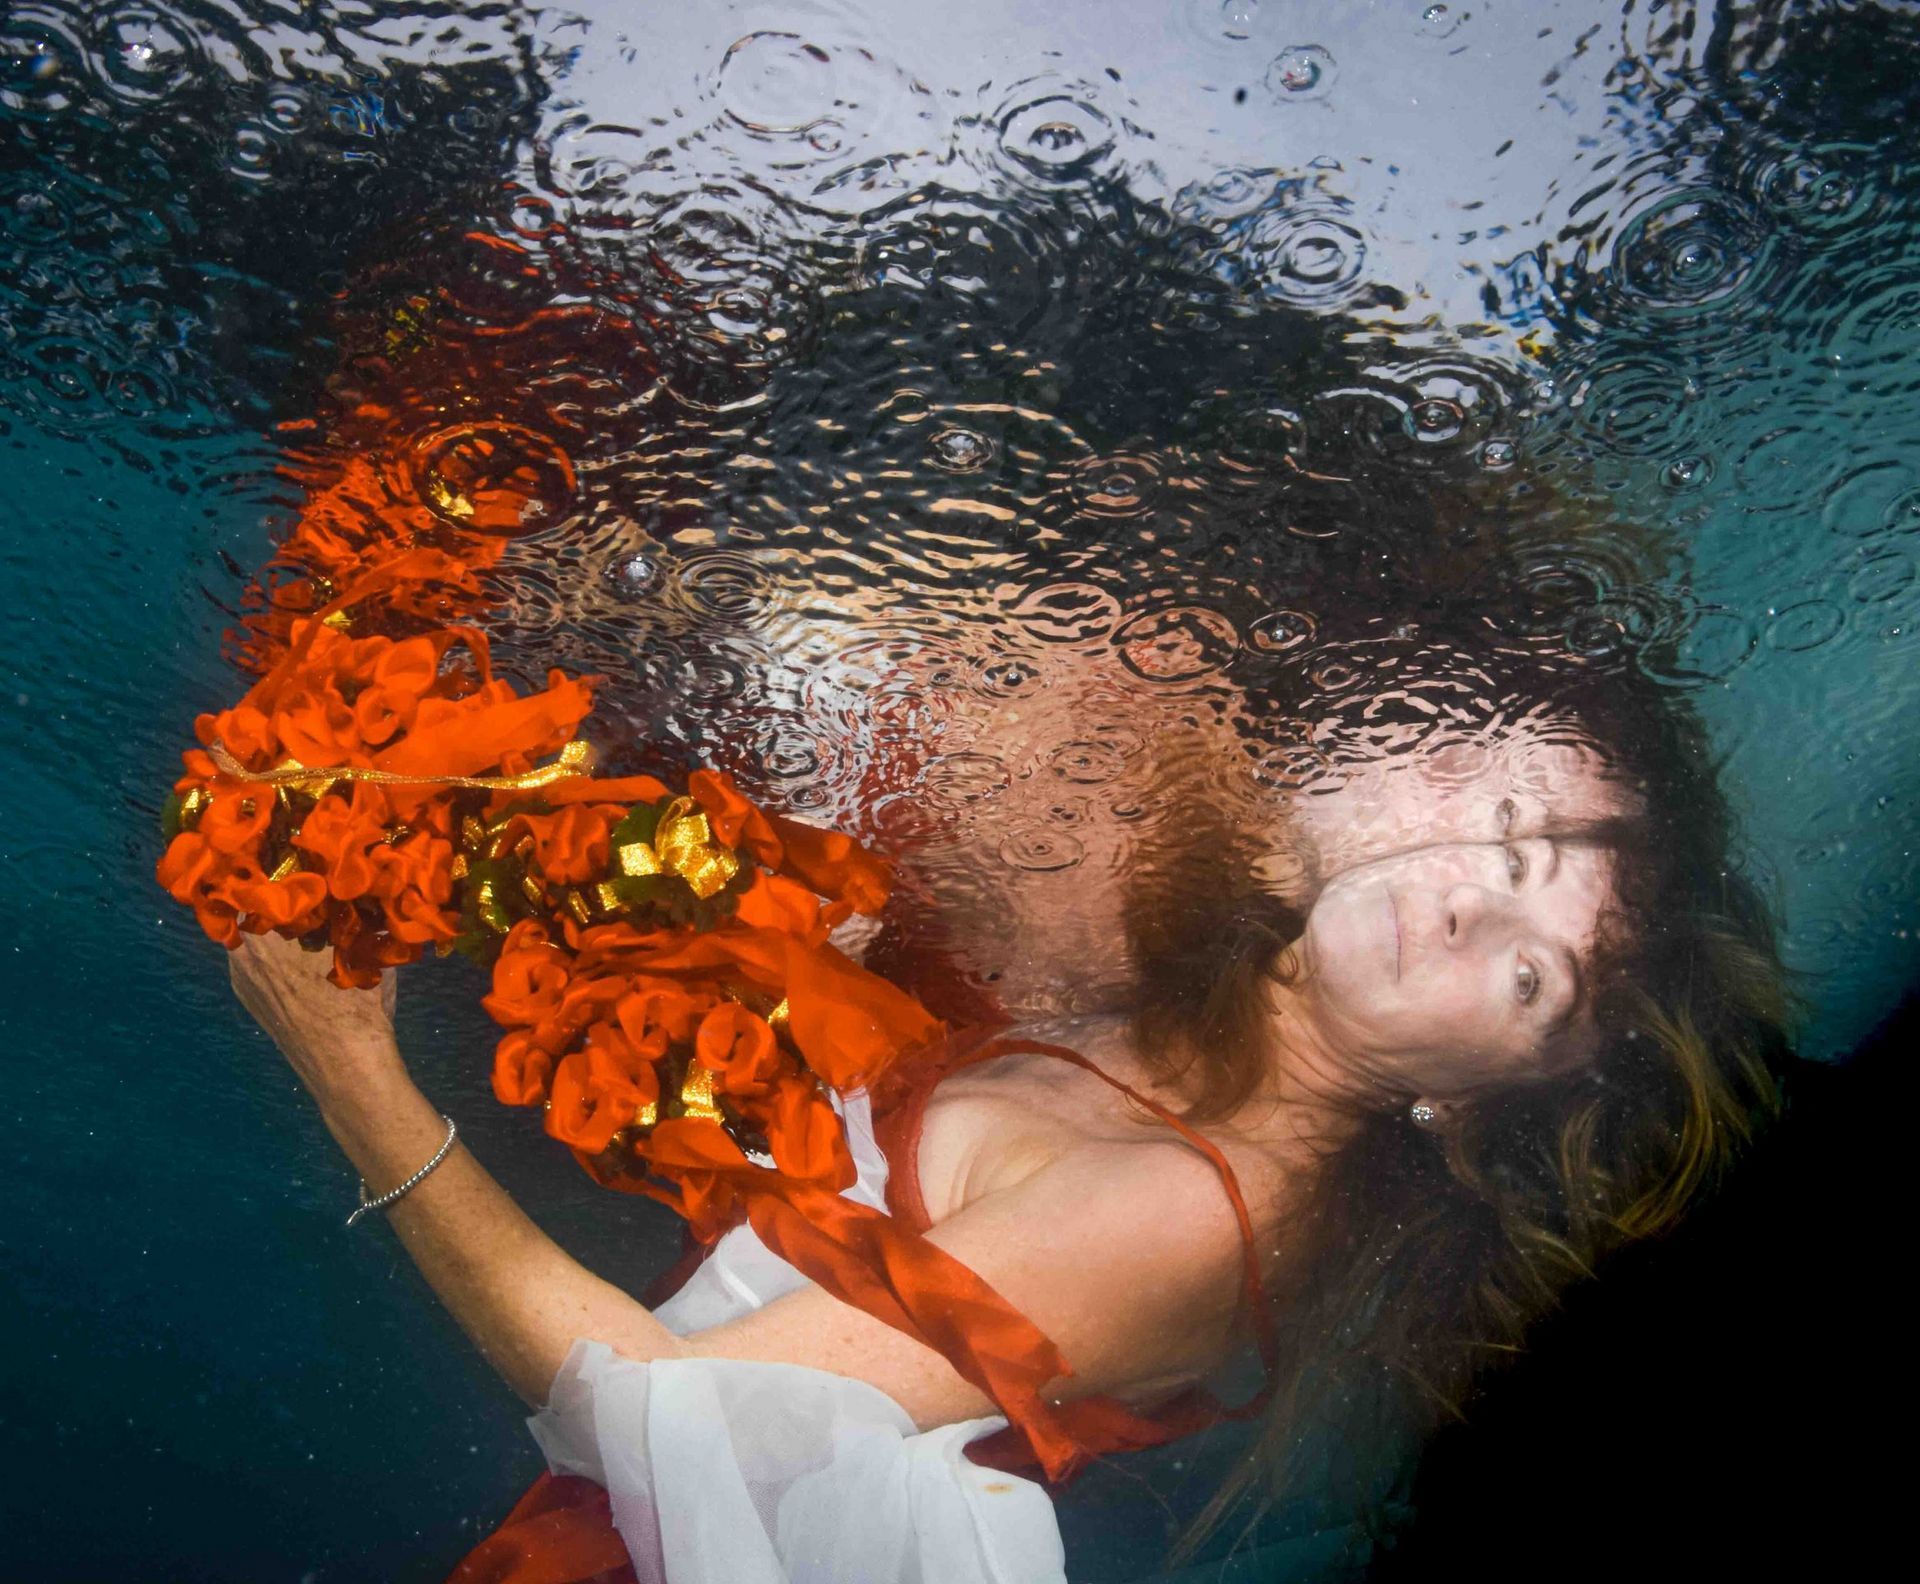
1416 1260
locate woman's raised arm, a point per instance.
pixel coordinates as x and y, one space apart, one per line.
516 1293
1127 1256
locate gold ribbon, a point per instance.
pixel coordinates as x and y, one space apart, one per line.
682 845
576 759
697 1098
684 841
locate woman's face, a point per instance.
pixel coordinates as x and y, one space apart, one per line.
1442 969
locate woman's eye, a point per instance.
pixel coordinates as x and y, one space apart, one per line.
1526 983
1516 865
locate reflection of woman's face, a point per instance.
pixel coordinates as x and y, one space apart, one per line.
1529 780
1453 965
1053 767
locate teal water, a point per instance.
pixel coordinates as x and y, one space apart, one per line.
1697 285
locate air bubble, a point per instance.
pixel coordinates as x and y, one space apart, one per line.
144 54
1808 191
634 576
1434 420
1238 18
1281 630
1692 250
493 478
1087 763
1311 256
1058 137
1122 485
960 450
1689 472
1005 678
36 67
1301 71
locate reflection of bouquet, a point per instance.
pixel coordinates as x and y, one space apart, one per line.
659 960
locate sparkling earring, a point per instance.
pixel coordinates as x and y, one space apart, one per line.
1423 1114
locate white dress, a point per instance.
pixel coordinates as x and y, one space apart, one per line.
734 1473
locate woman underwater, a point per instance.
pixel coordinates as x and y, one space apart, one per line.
1374 1122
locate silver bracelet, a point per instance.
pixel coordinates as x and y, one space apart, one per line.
411 1183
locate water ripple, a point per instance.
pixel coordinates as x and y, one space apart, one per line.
1693 251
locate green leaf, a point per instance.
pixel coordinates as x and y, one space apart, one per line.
638 825
476 947
505 881
652 890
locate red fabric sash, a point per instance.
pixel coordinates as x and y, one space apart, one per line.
560 1532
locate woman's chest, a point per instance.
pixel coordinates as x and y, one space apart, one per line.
991 1125
986 1129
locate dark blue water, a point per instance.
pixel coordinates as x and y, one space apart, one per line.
1672 251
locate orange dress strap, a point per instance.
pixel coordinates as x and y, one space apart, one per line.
1099 1425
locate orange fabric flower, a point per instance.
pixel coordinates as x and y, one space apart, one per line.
851 1024
522 1071
834 865
657 1014
739 1049
597 1090
778 904
571 845
529 977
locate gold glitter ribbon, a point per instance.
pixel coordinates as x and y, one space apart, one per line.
576 759
684 841
682 845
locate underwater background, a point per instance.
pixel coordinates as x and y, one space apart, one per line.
998 330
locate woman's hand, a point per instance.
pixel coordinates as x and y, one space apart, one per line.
331 1037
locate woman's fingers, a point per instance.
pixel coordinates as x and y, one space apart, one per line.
319 1027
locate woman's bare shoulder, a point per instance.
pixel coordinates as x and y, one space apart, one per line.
990 1127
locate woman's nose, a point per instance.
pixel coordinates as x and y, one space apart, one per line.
1464 912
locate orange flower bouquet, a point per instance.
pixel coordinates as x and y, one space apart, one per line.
661 962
